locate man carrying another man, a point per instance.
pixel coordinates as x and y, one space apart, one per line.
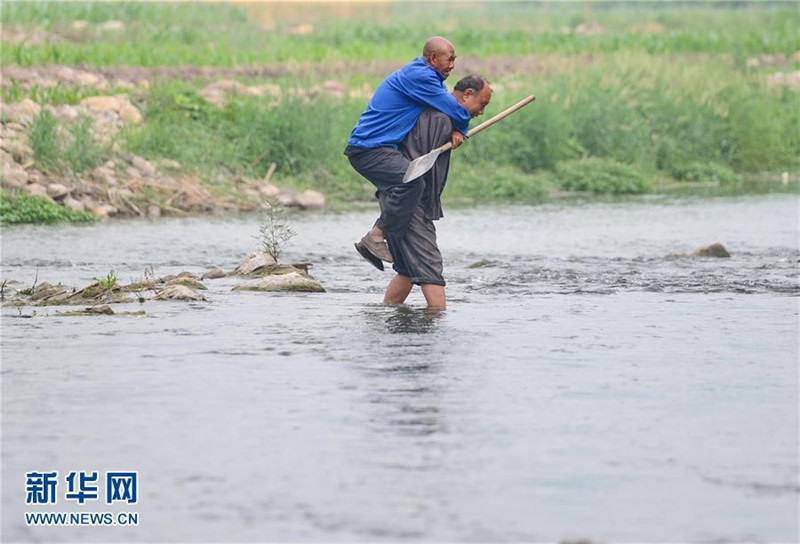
410 114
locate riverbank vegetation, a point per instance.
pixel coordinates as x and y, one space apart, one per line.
631 98
22 208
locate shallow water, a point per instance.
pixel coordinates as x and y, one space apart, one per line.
581 384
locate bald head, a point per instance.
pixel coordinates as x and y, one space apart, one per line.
437 44
440 55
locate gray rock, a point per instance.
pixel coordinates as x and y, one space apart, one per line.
104 175
482 264
294 281
130 114
269 190
103 104
186 281
714 250
179 292
311 200
88 79
13 175
214 274
75 205
252 262
143 166
45 290
23 113
66 112
104 211
287 198
57 191
17 149
34 189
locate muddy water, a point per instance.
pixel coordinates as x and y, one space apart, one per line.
580 385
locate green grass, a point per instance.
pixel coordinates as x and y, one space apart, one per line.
23 208
70 148
653 114
601 176
246 135
613 112
161 33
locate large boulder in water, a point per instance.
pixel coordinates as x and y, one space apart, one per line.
714 250
293 281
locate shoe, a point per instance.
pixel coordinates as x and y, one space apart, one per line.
373 260
379 249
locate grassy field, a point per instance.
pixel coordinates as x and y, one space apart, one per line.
659 94
159 34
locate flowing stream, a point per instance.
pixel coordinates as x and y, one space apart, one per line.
585 382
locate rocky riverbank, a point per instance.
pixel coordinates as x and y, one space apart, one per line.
125 185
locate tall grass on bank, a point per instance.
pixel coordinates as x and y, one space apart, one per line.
646 111
166 33
304 137
62 148
646 117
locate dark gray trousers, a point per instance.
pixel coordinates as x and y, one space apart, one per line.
409 209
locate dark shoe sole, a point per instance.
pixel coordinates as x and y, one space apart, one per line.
373 260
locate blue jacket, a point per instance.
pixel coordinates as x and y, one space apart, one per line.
397 103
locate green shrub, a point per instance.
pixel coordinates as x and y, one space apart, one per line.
538 137
81 152
247 134
44 141
765 130
491 182
601 176
24 208
705 171
73 148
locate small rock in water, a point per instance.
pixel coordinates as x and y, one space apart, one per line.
714 250
482 264
191 283
179 292
214 274
98 310
253 261
293 281
45 290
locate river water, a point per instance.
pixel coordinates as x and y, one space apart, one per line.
580 385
